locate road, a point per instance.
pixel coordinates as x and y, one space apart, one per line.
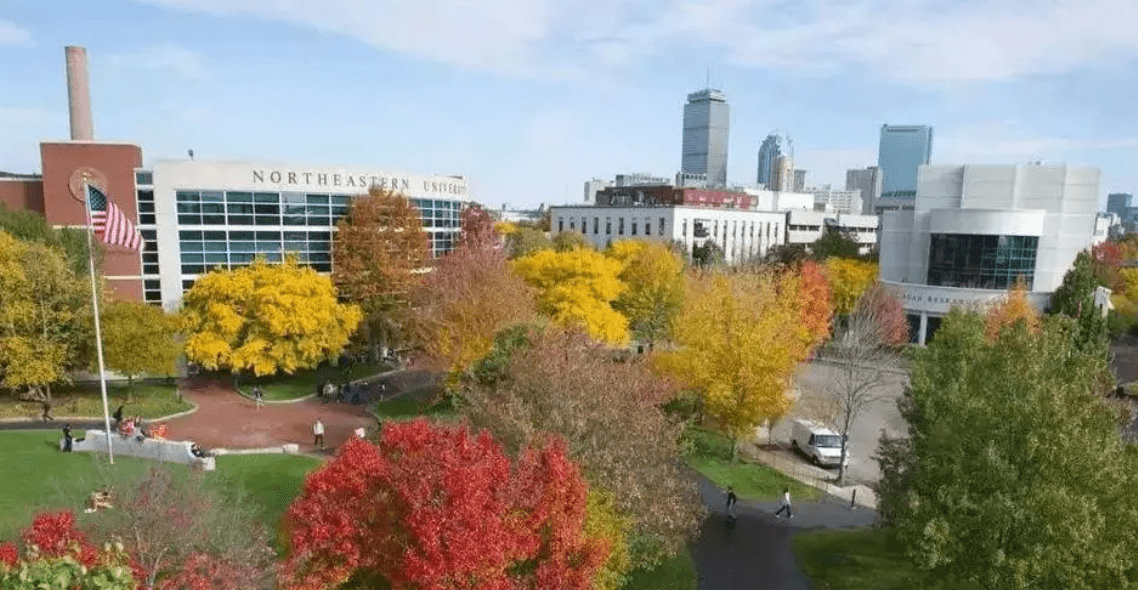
881 415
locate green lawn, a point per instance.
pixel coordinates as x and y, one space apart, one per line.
284 387
38 477
711 455
859 559
149 400
675 573
413 404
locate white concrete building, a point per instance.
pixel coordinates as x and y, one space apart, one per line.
196 215
805 227
780 201
974 230
741 233
836 201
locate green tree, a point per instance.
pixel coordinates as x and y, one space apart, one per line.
1013 474
834 242
265 318
29 226
523 241
570 240
708 255
1075 298
138 339
655 294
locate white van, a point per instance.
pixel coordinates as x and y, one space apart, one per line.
820 444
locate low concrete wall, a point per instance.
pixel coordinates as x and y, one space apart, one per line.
147 448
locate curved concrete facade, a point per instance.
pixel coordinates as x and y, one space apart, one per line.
1057 205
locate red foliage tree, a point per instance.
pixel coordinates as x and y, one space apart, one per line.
477 229
437 507
9 555
54 535
884 309
817 305
1106 260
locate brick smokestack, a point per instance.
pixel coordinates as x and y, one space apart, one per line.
79 94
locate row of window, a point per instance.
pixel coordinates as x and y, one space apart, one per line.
634 225
981 262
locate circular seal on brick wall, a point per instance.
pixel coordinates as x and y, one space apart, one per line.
86 175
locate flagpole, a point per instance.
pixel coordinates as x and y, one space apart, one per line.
98 329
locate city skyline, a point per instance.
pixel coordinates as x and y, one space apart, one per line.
517 99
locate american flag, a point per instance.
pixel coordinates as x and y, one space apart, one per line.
110 221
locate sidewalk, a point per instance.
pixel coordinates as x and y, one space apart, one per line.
810 475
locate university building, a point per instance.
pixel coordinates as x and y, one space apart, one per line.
198 215
976 230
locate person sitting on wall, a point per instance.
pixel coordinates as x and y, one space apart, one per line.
100 500
158 432
198 452
126 427
117 416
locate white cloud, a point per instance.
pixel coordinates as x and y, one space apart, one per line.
163 58
11 34
917 41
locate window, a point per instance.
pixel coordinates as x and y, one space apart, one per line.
981 261
149 251
152 291
596 225
661 226
620 226
144 178
213 208
634 227
560 224
608 226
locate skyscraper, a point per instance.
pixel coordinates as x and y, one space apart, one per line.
1118 203
706 122
903 149
773 147
868 181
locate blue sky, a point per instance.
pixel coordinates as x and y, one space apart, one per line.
530 98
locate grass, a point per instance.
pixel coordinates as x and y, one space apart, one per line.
860 559
149 400
711 455
38 477
675 573
412 404
285 387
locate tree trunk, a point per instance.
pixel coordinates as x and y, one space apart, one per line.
129 388
842 461
734 450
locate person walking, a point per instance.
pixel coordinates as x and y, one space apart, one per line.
117 416
785 505
258 396
67 438
342 392
329 391
732 499
318 434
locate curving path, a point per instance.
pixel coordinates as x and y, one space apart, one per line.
756 553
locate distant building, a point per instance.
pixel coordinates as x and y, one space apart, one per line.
638 179
783 176
706 122
836 201
773 147
799 180
591 188
868 181
1118 202
806 227
902 150
975 230
691 180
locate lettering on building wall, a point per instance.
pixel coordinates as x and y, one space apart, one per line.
360 181
951 301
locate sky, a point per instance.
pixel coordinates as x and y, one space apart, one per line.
530 98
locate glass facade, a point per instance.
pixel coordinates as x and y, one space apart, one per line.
903 149
981 262
227 229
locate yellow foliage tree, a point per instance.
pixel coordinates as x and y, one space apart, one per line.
604 521
654 276
265 318
849 278
1128 283
740 338
138 339
45 316
1014 308
577 288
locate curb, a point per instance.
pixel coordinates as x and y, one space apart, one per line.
311 395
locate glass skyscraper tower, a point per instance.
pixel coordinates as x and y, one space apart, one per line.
706 122
774 146
903 149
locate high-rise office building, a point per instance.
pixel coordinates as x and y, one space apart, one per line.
782 178
799 181
773 147
903 149
1118 203
706 122
868 181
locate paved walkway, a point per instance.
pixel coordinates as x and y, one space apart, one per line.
756 553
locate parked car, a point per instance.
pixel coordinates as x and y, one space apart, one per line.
820 444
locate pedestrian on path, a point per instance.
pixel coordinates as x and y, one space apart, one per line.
117 416
67 438
318 433
258 396
732 499
785 504
329 391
